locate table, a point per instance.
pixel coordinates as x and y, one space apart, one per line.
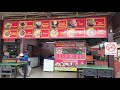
16 65
96 71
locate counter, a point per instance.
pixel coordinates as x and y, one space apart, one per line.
34 61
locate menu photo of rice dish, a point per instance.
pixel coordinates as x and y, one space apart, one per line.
7 33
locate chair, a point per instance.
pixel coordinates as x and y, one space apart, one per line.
5 70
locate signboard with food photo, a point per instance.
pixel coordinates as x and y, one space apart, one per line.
45 33
76 23
76 33
59 24
96 27
42 24
10 29
26 29
93 27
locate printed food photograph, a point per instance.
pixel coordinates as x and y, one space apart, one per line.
54 33
91 22
54 24
90 32
73 23
59 50
38 24
7 25
57 64
22 33
7 33
37 33
22 25
62 64
71 33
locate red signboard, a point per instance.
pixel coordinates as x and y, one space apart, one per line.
58 33
26 29
70 56
96 33
76 33
42 24
96 22
45 33
59 24
10 25
9 40
26 24
93 27
76 23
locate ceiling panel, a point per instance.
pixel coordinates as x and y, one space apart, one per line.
20 15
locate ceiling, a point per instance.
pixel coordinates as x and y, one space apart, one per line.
48 15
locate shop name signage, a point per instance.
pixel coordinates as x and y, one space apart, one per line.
65 45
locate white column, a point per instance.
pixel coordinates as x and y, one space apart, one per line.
21 46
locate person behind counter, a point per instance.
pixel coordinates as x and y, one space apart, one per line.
22 59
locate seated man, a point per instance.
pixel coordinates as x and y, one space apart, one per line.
21 59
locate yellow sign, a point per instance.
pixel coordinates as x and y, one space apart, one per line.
74 69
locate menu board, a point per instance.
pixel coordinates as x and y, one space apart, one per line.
26 29
69 55
10 29
96 27
93 27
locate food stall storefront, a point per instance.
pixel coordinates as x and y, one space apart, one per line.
67 54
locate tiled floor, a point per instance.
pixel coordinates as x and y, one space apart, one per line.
39 73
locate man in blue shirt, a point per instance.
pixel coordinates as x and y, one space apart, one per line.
22 59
